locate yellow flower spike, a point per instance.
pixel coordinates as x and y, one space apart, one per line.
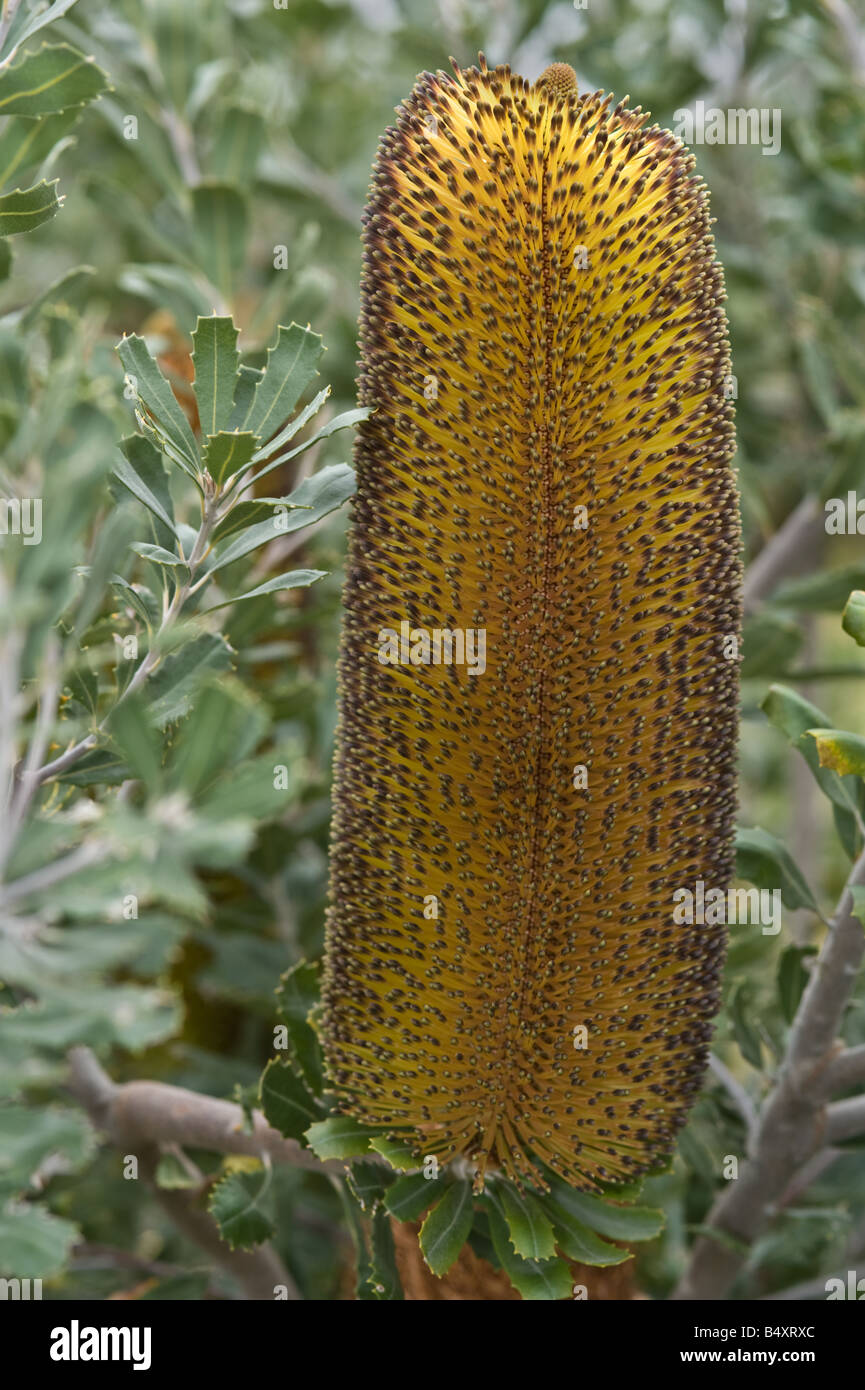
549 463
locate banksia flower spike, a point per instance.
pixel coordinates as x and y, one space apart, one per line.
538 685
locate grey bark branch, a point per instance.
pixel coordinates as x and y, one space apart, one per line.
847 1069
845 1119
142 1111
793 1122
144 1115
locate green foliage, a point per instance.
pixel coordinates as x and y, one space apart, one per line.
189 179
236 1206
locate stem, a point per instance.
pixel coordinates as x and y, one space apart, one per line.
150 1111
847 1069
145 1116
51 874
182 592
793 1123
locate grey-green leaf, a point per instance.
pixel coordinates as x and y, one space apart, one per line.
34 1244
26 208
619 1223
50 80
295 579
530 1231
286 1102
141 471
763 860
157 398
225 454
291 366
409 1197
446 1229
536 1280
234 1205
338 1137
216 361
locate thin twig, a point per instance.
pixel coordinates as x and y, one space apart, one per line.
847 1069
209 520
845 1119
744 1104
151 1110
147 1116
782 554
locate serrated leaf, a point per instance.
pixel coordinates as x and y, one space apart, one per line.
446 1228
369 1181
578 1242
26 208
234 1206
384 1280
298 992
399 1155
30 1138
763 861
286 1102
339 422
295 579
535 1280
226 454
33 1243
291 366
619 1223
157 554
792 978
338 1137
216 361
50 80
244 392
288 432
25 23
840 751
409 1197
530 1232
140 470
176 680
158 401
